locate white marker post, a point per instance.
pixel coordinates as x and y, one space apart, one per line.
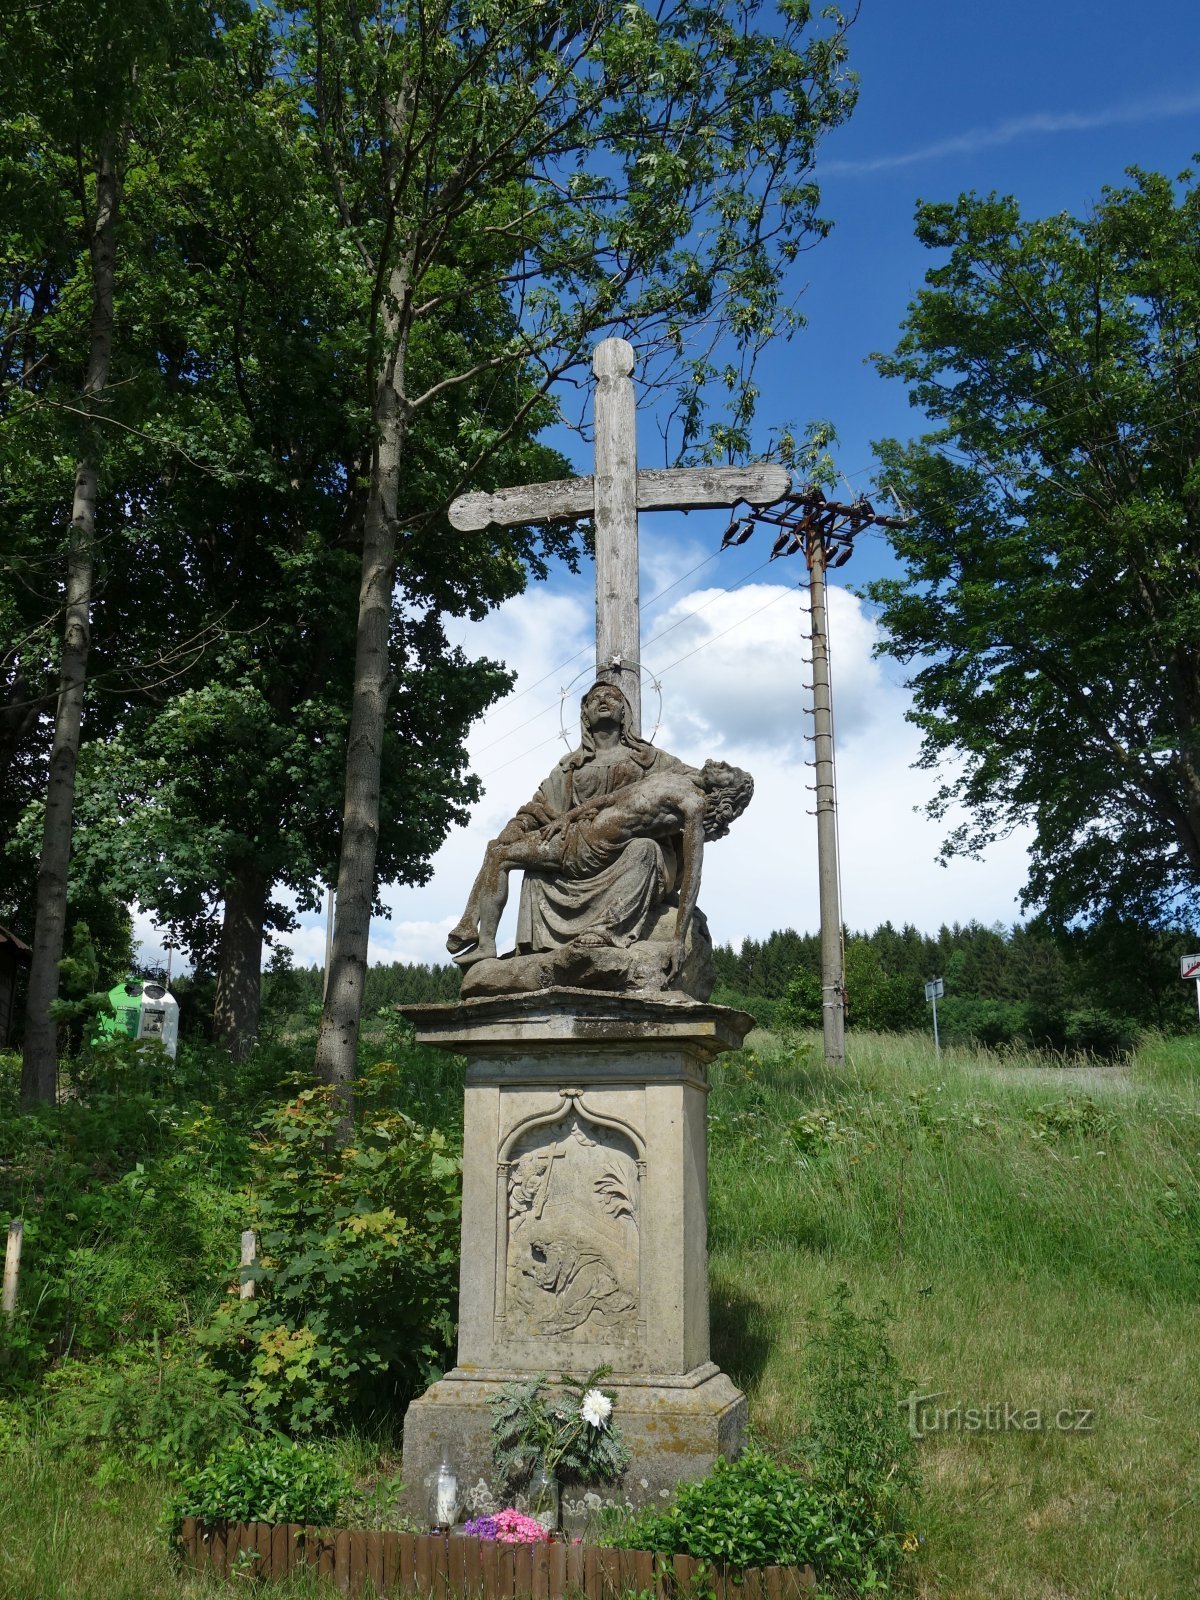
933 993
1189 967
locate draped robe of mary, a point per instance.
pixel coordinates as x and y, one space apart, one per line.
619 891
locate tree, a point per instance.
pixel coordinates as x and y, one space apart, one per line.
230 786
1051 600
587 169
226 559
72 78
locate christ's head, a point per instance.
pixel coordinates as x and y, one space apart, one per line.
727 793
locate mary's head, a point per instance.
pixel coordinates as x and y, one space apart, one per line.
604 704
605 709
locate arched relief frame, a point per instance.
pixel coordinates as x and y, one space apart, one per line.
568 1100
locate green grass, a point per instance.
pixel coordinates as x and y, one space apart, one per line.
1037 1233
1036 1230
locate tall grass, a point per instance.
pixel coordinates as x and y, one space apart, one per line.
1037 1234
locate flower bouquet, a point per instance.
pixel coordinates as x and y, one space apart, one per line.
508 1527
538 1439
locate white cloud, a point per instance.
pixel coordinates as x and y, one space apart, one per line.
1015 128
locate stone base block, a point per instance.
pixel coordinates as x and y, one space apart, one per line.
674 1427
641 968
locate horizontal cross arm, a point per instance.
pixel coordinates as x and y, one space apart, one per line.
530 502
660 489
694 488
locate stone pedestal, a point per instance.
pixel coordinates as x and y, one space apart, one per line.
584 1230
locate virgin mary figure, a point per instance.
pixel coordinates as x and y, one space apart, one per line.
588 901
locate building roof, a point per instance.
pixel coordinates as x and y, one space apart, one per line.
18 947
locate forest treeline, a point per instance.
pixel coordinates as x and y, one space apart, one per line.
1091 989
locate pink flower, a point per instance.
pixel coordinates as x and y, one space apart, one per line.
514 1527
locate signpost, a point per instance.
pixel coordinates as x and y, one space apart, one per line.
1189 967
933 993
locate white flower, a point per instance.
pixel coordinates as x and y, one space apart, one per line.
596 1408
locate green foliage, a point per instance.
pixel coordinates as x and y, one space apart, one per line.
801 1003
81 994
264 1480
993 1023
1083 990
533 1427
1081 1117
130 1209
359 1240
843 1511
875 1000
162 1410
1054 535
752 1512
857 1438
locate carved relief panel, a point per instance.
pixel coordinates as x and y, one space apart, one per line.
569 1261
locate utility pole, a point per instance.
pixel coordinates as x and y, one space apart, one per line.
824 531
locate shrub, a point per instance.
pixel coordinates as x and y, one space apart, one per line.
131 1224
158 1411
751 1512
856 1438
844 1512
1099 1033
264 1480
857 1441
763 1010
991 1023
357 1283
801 1003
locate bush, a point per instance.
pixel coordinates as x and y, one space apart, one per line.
857 1438
751 1512
169 1412
991 1023
264 1480
801 1004
844 1513
764 1011
131 1224
358 1277
1099 1033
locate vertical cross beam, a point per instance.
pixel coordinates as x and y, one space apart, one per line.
617 602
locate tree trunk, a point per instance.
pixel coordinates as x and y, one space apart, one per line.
39 1070
337 1040
239 962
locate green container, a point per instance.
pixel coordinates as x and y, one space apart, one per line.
142 1009
126 1001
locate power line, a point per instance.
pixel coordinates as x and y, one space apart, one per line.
687 617
583 649
712 639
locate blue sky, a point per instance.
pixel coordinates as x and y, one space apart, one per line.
1049 102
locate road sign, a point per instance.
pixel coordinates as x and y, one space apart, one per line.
1189 966
936 989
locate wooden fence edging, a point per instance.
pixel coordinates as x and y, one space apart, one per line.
436 1566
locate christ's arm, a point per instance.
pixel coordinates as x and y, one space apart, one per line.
691 861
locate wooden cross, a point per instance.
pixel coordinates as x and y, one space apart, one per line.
613 497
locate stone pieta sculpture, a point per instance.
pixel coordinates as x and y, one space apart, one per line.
612 847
